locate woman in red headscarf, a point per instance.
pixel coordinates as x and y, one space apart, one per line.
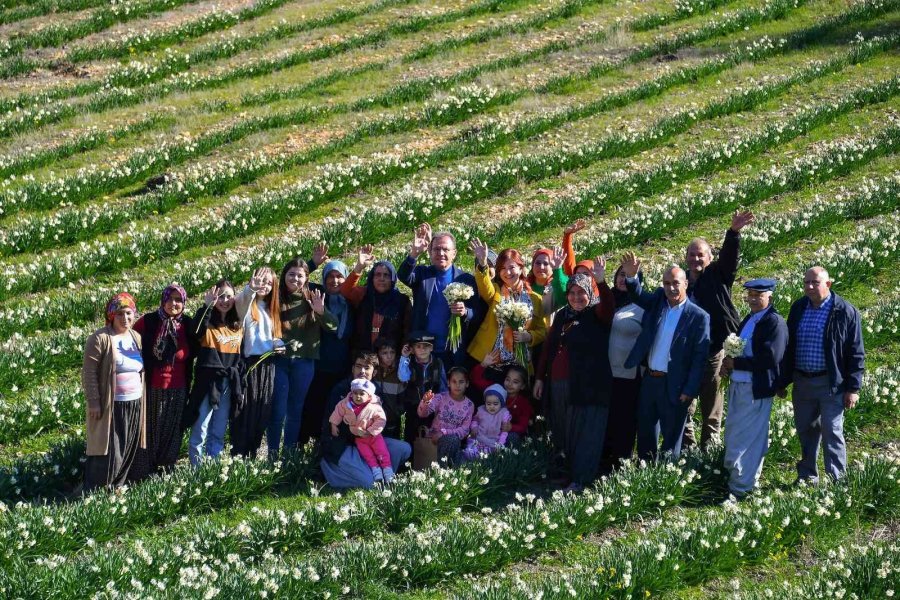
168 355
113 380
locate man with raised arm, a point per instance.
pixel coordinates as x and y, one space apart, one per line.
709 287
431 311
673 345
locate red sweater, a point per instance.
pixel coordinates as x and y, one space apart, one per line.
519 406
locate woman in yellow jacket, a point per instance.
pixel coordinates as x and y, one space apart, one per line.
510 284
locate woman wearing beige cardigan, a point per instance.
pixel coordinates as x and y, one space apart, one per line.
113 380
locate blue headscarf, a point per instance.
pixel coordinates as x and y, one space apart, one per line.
336 303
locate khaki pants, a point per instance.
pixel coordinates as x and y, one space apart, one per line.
712 403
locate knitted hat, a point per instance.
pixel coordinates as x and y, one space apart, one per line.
496 390
363 385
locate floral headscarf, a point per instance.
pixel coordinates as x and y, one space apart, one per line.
166 344
119 301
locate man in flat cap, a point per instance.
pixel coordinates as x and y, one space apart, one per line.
754 377
825 361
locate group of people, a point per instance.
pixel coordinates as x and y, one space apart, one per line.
469 362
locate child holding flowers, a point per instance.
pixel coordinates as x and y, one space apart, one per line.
452 412
361 410
509 325
487 431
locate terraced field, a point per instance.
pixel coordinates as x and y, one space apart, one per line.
146 141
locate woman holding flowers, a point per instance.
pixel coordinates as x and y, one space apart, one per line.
382 311
168 355
259 308
303 317
574 377
112 376
509 325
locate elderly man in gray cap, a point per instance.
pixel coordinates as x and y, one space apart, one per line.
754 378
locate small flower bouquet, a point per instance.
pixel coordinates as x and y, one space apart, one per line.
513 316
456 292
734 347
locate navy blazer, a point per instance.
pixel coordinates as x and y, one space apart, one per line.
690 344
421 280
845 357
769 341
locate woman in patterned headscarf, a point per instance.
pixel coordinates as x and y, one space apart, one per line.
112 376
168 355
573 376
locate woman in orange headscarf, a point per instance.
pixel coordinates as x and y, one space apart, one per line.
113 380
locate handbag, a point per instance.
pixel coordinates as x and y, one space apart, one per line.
424 450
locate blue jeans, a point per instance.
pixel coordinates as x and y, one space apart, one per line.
292 379
208 431
659 414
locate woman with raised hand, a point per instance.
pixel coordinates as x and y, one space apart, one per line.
509 284
112 377
168 354
333 363
258 307
218 376
573 376
548 278
382 311
303 318
621 429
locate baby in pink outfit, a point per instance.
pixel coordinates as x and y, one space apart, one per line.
361 410
487 426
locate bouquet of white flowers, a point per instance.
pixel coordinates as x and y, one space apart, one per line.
734 347
513 316
456 292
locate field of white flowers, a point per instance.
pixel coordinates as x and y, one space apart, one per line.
150 141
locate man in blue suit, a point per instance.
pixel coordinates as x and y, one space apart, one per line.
674 346
431 311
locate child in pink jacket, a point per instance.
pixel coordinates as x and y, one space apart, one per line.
361 410
452 412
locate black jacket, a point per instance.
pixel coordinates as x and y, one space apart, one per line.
770 338
712 292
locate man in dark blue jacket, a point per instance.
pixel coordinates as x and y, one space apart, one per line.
431 311
825 361
754 376
674 345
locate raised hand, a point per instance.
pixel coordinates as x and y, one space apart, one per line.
630 264
406 350
364 258
557 258
741 219
258 280
599 269
427 397
575 227
480 250
317 301
211 295
320 253
421 240
491 358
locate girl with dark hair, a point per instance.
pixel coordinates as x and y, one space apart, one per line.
259 307
510 284
168 354
218 381
303 317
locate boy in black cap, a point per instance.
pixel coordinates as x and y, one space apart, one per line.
422 372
